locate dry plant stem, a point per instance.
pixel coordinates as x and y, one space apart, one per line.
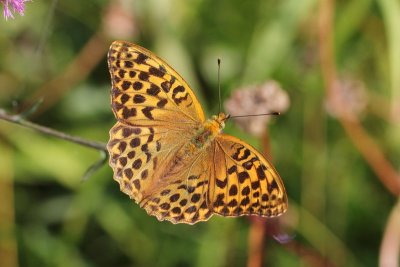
18 120
380 107
373 155
308 256
258 227
368 148
87 59
266 145
326 50
256 242
390 247
8 243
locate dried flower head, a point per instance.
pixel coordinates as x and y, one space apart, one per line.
119 21
348 99
11 6
252 100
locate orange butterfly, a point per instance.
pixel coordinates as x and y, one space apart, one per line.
173 162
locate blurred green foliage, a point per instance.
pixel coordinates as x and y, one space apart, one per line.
338 207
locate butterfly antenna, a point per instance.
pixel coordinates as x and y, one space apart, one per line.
256 115
219 85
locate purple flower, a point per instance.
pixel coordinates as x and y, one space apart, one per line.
11 6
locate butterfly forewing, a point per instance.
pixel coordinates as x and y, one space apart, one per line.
146 91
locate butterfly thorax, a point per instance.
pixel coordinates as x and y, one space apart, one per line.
201 140
210 129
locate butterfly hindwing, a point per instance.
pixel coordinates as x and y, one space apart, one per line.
244 182
184 199
138 152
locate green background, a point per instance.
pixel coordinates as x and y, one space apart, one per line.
338 207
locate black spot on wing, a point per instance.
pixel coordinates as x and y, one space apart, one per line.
128 112
221 183
162 103
156 72
233 190
121 73
137 99
125 85
144 76
137 86
166 86
153 90
147 112
132 74
176 91
141 58
128 64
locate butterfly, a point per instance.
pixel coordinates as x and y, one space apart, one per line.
169 158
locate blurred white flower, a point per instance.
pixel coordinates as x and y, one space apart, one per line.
119 21
252 100
348 99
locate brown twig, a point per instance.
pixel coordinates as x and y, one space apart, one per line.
8 243
258 225
87 59
20 121
366 145
373 155
256 242
308 255
326 44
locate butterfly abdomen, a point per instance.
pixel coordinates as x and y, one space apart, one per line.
201 140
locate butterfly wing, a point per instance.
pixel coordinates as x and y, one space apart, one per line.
147 91
185 199
229 178
138 155
243 181
150 153
157 114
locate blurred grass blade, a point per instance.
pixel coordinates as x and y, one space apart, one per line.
391 17
31 110
94 167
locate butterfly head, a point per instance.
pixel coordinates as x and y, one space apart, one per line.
219 120
222 117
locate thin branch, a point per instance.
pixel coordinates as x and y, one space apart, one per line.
17 119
